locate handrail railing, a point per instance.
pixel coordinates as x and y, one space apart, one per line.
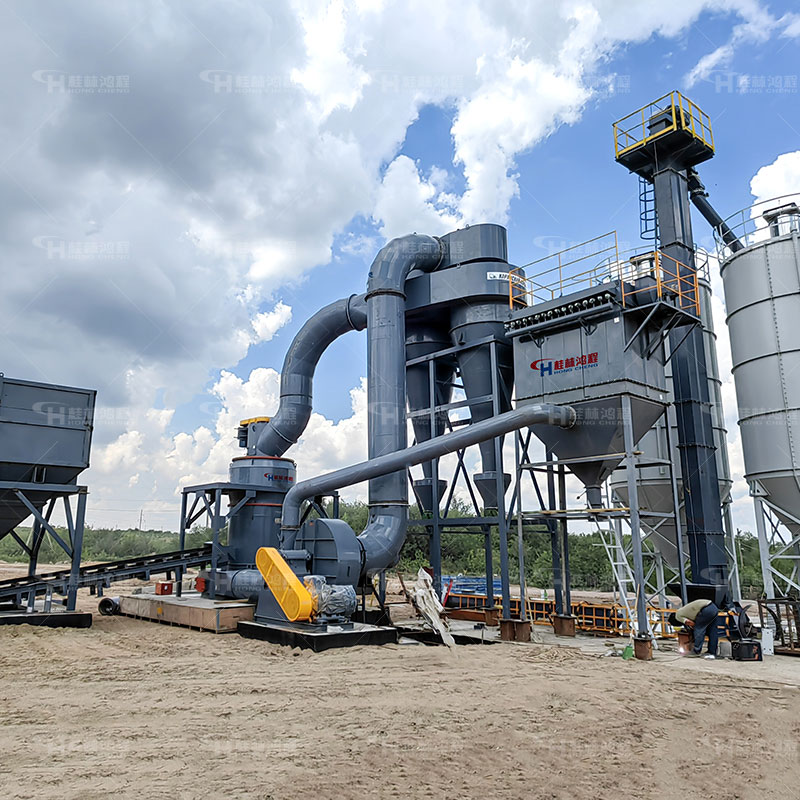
559 272
638 272
760 221
632 131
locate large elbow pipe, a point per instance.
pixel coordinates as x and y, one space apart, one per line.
386 382
297 375
699 197
383 537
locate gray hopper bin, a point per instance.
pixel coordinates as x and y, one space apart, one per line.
45 438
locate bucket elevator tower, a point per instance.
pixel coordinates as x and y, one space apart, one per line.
662 143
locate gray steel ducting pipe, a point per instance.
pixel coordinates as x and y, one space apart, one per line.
108 606
386 382
699 196
297 375
383 538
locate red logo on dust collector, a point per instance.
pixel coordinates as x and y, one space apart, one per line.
549 366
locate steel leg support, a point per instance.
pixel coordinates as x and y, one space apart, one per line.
642 627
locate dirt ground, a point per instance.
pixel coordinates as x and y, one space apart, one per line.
131 709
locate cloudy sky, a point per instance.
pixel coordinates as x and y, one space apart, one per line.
184 183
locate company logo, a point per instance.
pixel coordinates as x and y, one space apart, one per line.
551 366
270 477
506 276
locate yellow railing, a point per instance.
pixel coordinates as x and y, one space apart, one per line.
609 619
672 278
565 273
682 114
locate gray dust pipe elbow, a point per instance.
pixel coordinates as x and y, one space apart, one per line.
297 375
699 196
381 544
386 388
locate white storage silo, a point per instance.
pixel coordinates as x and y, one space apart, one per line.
762 297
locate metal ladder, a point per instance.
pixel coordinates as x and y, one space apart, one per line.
623 576
648 222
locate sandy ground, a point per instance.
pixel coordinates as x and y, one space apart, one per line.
131 709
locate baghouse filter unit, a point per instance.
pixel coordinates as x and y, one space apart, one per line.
590 348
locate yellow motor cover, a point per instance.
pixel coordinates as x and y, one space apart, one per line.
293 598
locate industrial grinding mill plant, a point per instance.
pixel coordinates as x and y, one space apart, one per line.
593 360
604 361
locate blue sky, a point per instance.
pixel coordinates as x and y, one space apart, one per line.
571 189
244 162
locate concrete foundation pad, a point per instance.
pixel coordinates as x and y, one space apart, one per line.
563 625
319 640
52 619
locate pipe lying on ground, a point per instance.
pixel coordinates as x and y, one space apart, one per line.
108 606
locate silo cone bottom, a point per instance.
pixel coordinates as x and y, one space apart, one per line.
423 491
486 484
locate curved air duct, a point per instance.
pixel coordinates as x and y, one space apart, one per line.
297 375
382 550
386 390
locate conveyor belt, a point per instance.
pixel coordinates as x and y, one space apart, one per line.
104 574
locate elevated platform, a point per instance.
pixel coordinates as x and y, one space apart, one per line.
319 640
671 124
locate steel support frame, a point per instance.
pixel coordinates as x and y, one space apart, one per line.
209 499
651 583
440 522
776 542
75 523
642 627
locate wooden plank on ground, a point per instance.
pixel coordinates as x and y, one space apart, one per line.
188 611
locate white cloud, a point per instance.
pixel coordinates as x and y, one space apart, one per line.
222 186
781 177
268 323
406 202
